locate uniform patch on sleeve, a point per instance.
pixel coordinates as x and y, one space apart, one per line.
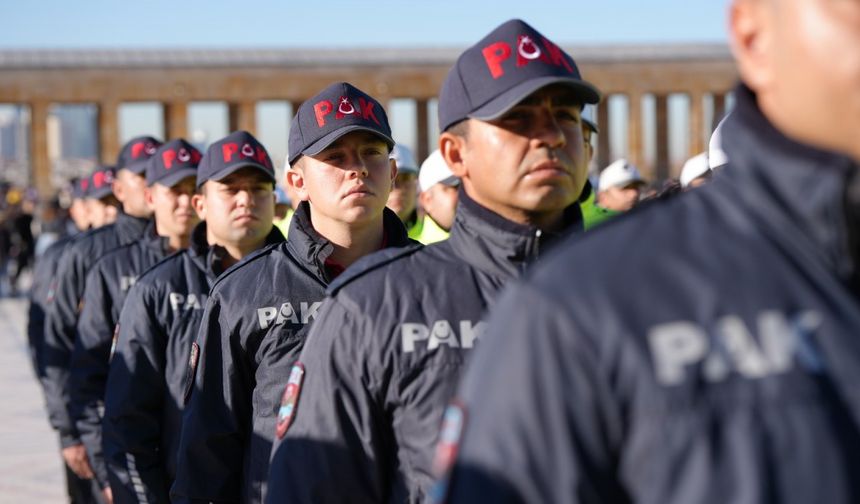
290 399
191 372
113 341
453 424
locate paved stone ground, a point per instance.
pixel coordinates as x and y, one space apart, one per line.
31 469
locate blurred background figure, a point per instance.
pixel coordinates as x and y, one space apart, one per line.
438 199
696 171
619 187
403 199
717 157
283 210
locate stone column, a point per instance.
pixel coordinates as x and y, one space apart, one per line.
422 149
176 120
39 162
603 136
661 163
108 127
697 124
634 128
243 116
719 109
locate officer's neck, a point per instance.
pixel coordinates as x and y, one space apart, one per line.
351 241
235 250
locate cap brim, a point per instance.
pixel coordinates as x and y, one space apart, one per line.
173 178
234 168
100 193
321 144
583 90
136 167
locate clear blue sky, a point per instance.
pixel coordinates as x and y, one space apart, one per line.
339 23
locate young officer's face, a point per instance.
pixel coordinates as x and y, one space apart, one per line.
802 58
348 182
239 208
529 164
130 189
174 215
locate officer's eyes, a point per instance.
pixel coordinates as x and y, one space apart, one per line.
567 115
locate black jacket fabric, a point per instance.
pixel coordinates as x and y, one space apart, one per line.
385 357
253 327
149 369
41 293
107 285
710 355
63 310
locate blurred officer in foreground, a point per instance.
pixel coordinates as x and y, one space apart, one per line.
389 346
258 313
170 175
63 311
719 362
155 348
44 286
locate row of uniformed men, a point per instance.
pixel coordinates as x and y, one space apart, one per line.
175 353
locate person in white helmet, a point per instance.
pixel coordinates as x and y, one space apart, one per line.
619 186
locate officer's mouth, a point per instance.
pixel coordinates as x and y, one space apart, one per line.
361 191
244 218
547 169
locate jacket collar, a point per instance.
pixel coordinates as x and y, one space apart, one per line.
208 257
129 229
312 249
791 186
499 246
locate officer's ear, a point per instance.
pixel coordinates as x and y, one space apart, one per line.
198 202
452 145
752 34
294 178
149 197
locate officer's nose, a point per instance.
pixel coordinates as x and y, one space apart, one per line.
547 131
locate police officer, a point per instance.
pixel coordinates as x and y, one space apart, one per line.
170 175
723 363
46 268
148 379
384 358
257 314
62 312
42 292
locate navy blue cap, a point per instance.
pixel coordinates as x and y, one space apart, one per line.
235 151
99 183
174 161
77 187
335 111
505 67
136 152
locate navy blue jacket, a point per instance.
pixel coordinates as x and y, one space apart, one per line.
41 292
710 354
63 310
386 355
253 327
107 285
149 369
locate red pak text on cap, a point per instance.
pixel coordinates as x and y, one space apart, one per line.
135 153
172 162
335 111
506 66
100 183
235 151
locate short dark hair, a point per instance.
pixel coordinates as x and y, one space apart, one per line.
459 128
